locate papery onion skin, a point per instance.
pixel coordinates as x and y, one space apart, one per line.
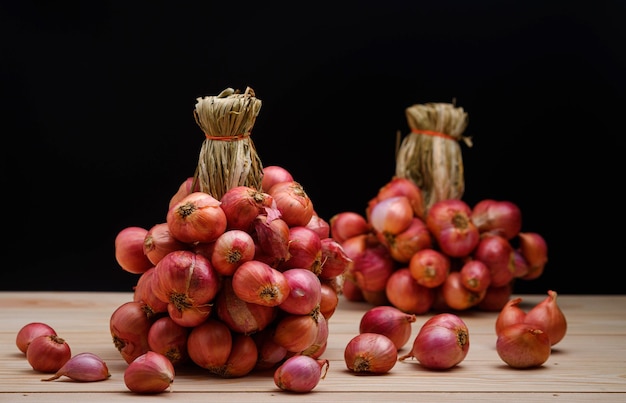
523 345
31 330
498 255
305 250
370 353
144 293
335 261
300 373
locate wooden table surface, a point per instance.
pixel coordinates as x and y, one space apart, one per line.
589 364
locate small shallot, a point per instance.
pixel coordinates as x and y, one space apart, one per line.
389 321
48 353
31 330
300 373
441 343
372 353
523 345
548 316
83 367
149 373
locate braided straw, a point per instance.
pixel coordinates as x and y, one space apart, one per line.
228 157
431 155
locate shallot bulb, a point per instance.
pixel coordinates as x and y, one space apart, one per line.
149 373
231 250
347 224
129 326
429 267
273 174
510 315
305 291
391 216
241 205
188 282
31 330
441 343
294 204
399 186
372 353
83 367
523 345
548 316
389 321
534 249
159 242
300 373
257 282
198 217
48 353
450 224
129 250
407 294
500 217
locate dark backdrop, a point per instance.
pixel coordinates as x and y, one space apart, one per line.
98 129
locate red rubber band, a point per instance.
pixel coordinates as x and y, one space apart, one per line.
432 133
228 138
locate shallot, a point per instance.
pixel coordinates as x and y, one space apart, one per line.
149 373
300 373
523 345
441 343
548 316
389 321
31 330
372 353
48 353
83 367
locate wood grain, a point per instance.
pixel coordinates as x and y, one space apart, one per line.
588 364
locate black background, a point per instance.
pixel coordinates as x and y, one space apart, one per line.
98 127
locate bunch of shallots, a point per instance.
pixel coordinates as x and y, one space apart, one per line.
231 285
448 256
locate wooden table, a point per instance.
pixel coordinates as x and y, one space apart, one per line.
589 364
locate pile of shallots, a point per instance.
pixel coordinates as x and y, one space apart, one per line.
449 257
233 285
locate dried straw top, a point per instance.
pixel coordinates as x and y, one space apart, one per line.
228 114
228 157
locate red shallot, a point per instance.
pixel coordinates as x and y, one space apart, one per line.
441 343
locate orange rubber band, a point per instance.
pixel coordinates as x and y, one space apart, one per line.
432 133
228 138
